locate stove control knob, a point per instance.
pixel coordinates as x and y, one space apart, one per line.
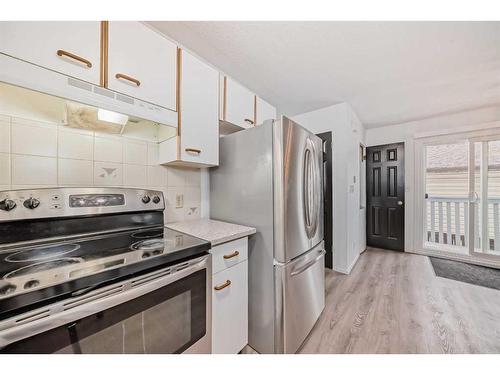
146 199
31 284
156 199
7 205
31 203
6 288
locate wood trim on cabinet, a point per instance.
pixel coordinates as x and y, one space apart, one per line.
178 101
104 53
224 99
255 110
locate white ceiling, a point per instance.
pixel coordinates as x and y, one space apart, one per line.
390 72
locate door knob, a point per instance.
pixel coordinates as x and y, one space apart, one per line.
400 203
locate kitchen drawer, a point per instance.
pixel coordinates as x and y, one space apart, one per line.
230 309
228 254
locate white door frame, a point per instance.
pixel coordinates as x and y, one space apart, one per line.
419 202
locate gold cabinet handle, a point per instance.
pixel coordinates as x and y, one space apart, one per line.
195 150
225 285
61 52
232 255
249 121
128 78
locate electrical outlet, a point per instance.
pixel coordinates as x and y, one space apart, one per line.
179 200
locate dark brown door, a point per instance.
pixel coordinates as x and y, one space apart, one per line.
385 196
327 197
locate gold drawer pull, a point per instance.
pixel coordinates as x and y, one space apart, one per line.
225 285
249 121
128 78
61 52
195 150
229 256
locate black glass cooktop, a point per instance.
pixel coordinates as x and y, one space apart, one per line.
35 273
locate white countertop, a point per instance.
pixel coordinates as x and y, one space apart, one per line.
215 231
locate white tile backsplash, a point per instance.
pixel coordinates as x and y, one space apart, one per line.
157 176
192 202
33 170
192 177
108 174
153 152
81 158
34 139
75 172
4 169
135 152
108 149
176 177
4 135
135 175
75 145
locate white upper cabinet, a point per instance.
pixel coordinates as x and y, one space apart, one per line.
142 63
264 111
239 104
197 143
72 48
199 111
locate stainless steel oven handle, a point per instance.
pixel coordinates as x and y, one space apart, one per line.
309 264
61 313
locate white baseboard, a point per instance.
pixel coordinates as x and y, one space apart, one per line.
347 270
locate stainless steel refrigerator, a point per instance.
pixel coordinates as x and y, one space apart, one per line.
270 177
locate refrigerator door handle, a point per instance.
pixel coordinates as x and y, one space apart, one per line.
317 188
301 268
306 191
310 198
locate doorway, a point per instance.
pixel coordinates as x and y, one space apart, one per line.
461 202
327 197
385 196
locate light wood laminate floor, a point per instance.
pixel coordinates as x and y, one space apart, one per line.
393 303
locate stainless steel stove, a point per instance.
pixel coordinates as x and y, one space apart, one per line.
105 253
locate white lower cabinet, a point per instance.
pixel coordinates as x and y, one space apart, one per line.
230 308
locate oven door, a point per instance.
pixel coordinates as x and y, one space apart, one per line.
166 311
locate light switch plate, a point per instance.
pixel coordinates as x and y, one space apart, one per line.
179 200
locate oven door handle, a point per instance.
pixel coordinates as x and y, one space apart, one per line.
72 309
81 292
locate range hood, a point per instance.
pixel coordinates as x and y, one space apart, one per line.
20 73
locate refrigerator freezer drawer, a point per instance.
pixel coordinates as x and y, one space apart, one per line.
302 298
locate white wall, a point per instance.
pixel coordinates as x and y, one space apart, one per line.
348 219
405 133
